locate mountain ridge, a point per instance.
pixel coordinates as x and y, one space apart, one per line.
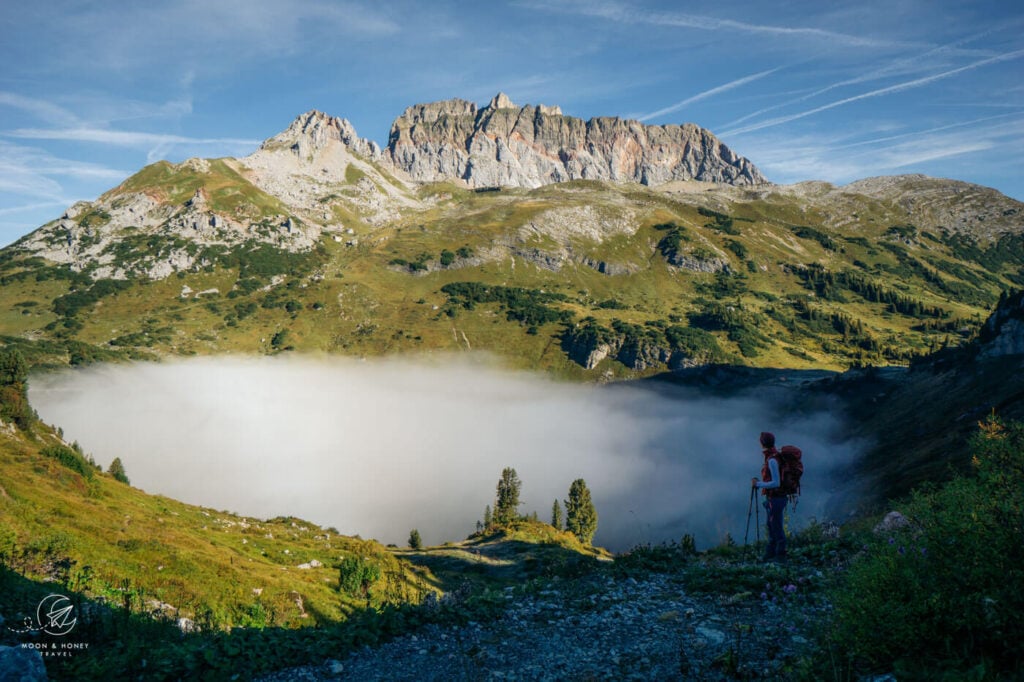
316 236
503 144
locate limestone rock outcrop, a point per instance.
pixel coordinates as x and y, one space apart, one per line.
1003 332
503 144
314 131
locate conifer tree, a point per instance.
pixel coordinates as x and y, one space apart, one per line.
556 515
414 539
14 405
488 519
507 501
580 514
116 469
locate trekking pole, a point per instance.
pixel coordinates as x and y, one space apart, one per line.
757 512
746 536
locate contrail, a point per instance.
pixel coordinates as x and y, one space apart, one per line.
899 87
863 78
916 133
709 93
617 12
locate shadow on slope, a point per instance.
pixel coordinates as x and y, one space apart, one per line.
502 556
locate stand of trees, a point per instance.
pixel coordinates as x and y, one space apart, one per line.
580 515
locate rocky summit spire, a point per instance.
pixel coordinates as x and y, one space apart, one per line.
501 101
503 143
314 131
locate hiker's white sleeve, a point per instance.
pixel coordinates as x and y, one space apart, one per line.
773 470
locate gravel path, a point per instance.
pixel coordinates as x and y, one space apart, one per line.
603 627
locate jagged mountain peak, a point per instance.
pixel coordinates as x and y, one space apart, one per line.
529 146
501 101
314 131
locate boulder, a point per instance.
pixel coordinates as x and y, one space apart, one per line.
892 521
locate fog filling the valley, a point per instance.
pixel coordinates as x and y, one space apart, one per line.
378 448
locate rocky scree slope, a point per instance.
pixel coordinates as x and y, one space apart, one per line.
615 627
503 144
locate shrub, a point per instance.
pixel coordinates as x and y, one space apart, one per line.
530 307
943 594
279 339
738 248
69 458
356 575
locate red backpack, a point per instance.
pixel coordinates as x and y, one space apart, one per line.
791 468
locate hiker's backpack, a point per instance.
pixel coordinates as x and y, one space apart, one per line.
791 468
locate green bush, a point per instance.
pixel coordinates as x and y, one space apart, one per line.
70 303
530 307
942 596
69 458
356 575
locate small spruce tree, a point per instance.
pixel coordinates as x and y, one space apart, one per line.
580 514
488 519
116 469
556 515
414 539
507 502
14 405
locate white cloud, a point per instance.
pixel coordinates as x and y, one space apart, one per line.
205 37
41 109
30 172
841 158
157 145
31 208
122 138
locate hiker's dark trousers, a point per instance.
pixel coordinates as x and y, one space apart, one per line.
776 508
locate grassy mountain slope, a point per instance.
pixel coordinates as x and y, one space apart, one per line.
66 522
582 279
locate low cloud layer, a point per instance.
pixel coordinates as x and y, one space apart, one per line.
379 448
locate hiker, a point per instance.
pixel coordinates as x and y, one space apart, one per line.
775 498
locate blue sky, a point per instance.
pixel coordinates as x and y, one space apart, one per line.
90 92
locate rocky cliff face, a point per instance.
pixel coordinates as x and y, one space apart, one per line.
530 146
1003 332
